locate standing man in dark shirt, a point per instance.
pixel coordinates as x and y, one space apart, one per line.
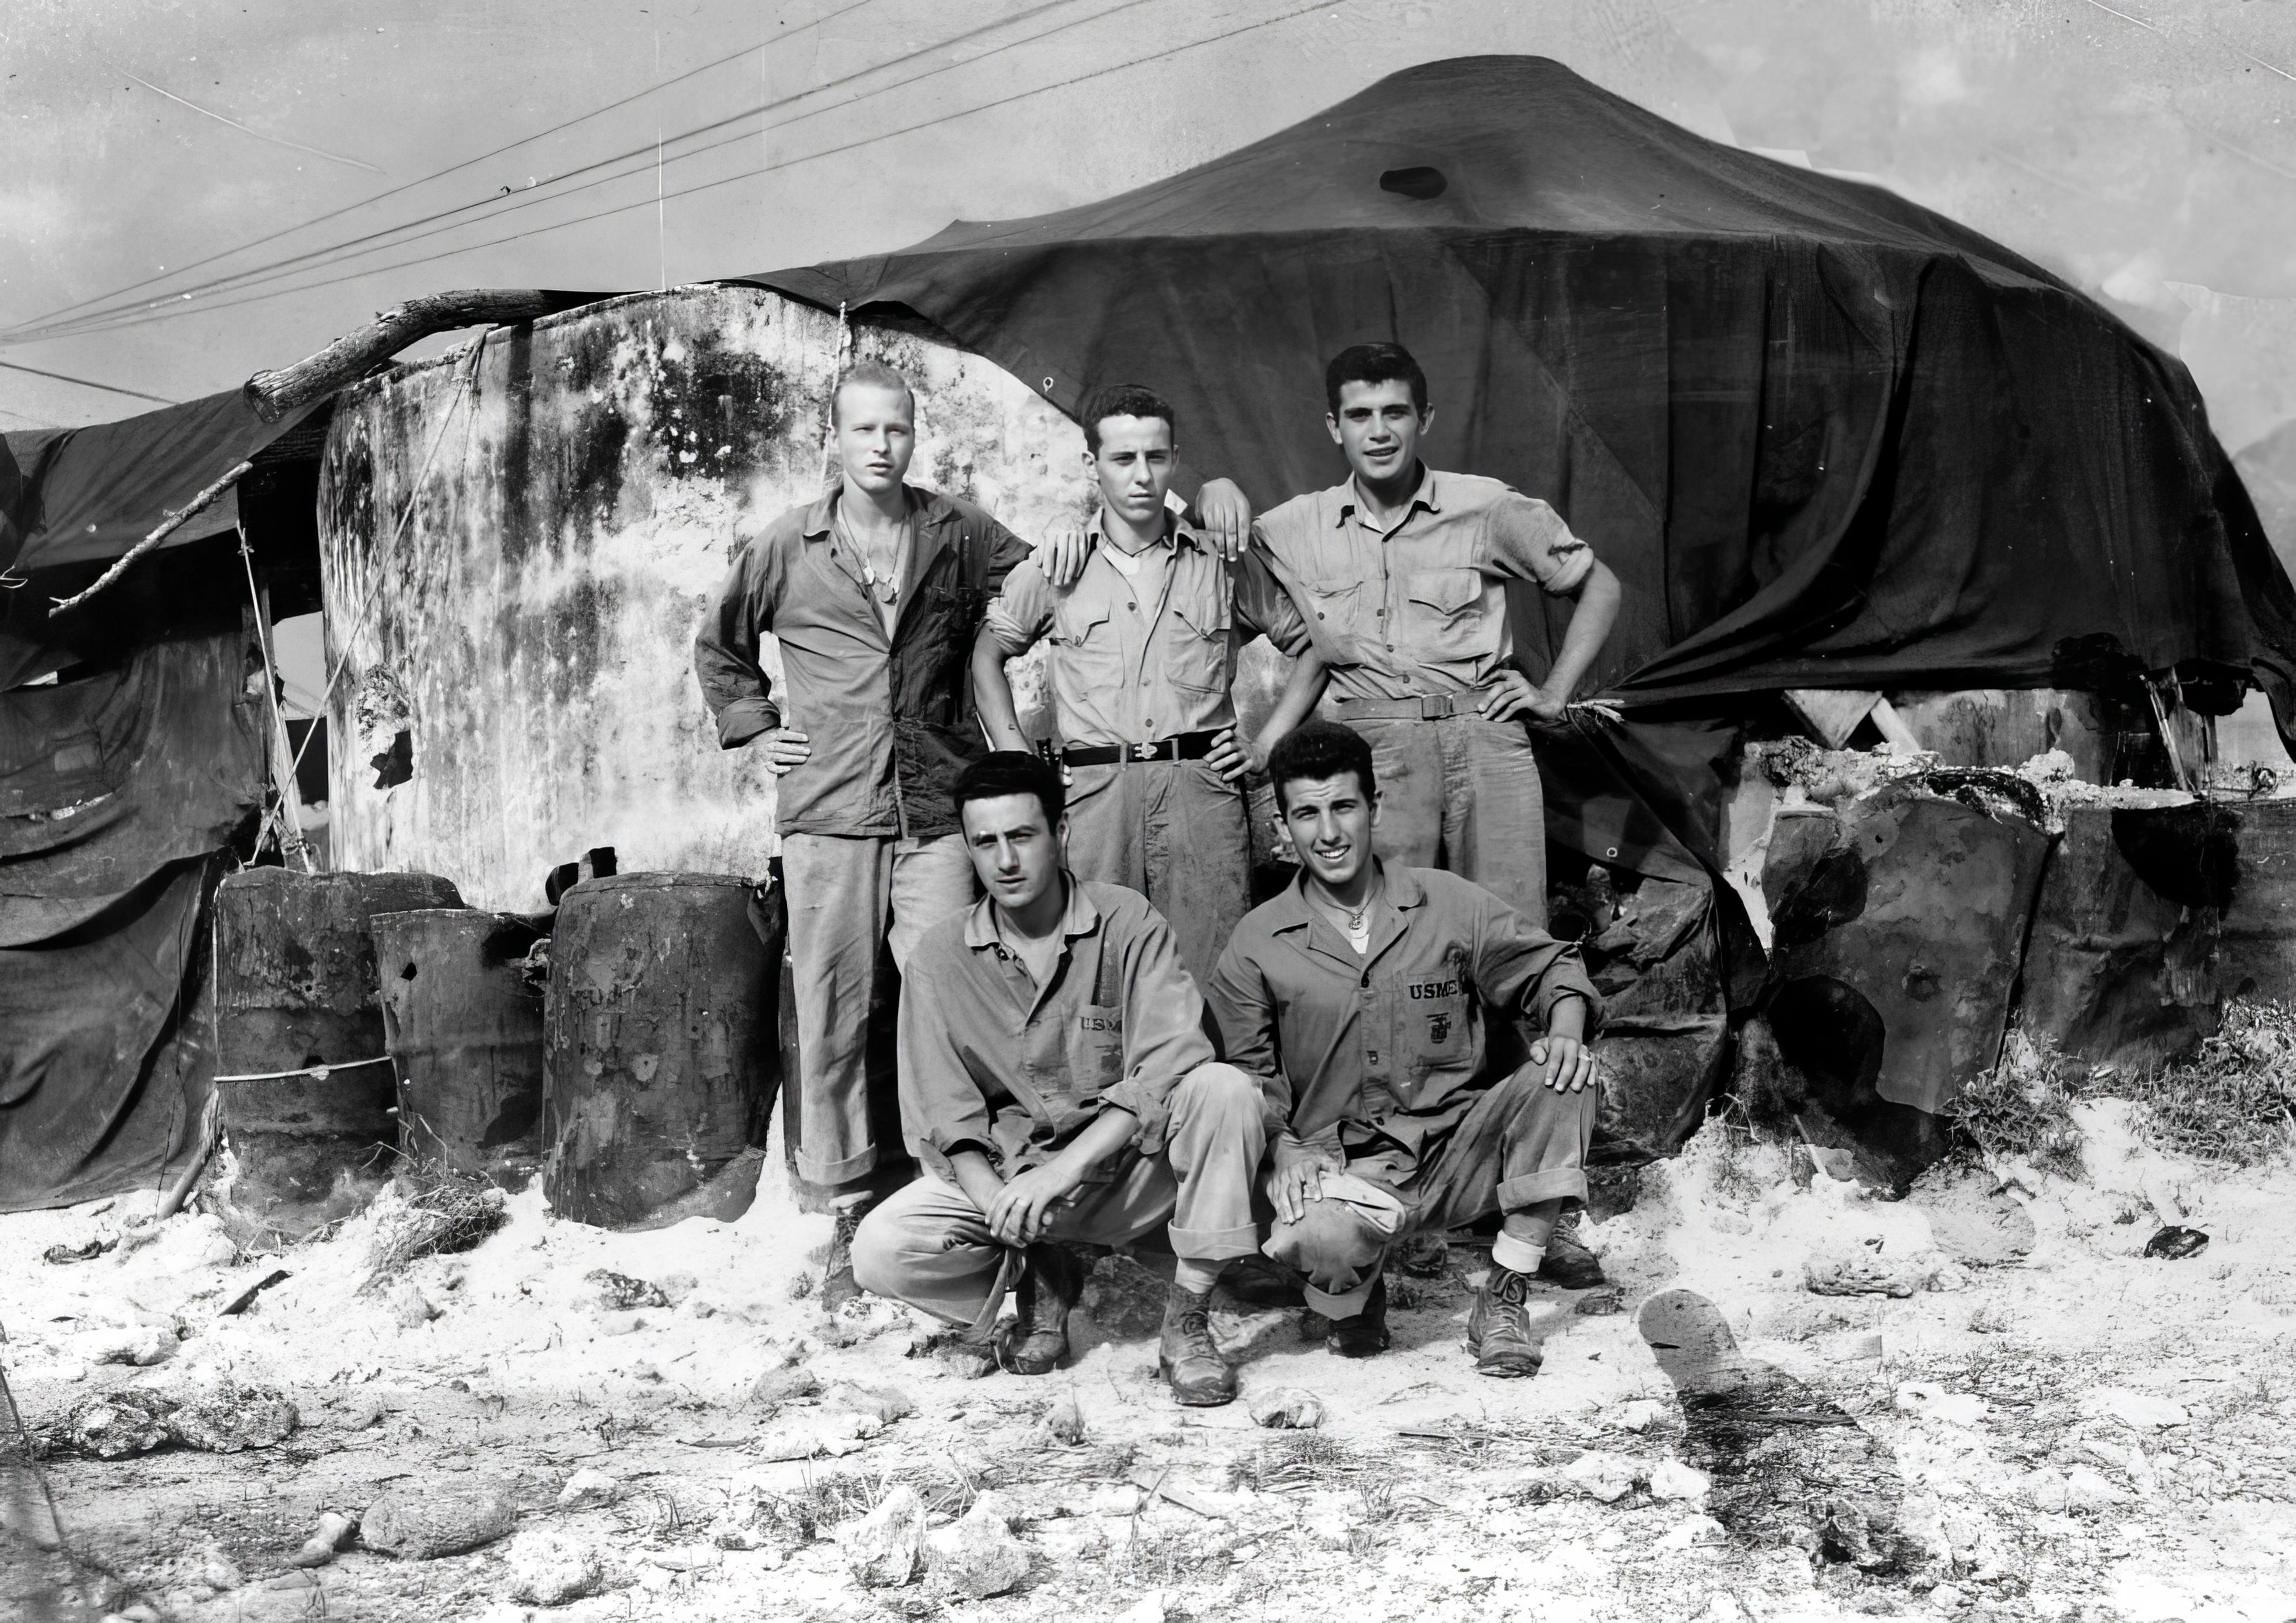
1357 998
874 593
1057 1085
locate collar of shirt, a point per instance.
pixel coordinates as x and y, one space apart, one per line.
1081 918
1352 498
1178 530
926 508
1401 890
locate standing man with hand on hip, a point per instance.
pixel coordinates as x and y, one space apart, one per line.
1399 576
1357 998
1057 1085
874 592
1144 646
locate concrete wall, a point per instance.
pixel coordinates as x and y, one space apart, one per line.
587 483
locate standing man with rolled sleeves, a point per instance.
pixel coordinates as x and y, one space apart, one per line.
1359 999
1399 576
874 593
1142 661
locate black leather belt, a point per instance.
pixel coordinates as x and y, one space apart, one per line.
1185 747
1432 707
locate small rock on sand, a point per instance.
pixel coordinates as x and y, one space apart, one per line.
1670 1478
2174 1244
587 1488
227 1417
2138 1411
549 1569
1287 1408
887 1404
143 1345
977 1555
1064 1423
410 1308
783 1382
1600 1475
115 1424
883 1549
423 1521
621 1292
1860 1272
1638 1414
325 1539
2088 1490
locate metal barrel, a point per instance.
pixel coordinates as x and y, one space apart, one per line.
464 1031
295 990
659 1072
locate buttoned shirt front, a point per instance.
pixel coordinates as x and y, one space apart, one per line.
990 1058
1418 609
887 709
1389 1043
1144 654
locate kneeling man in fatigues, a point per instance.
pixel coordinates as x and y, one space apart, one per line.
1056 1085
1357 998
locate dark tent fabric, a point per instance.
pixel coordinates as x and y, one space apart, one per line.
1826 437
87 495
106 780
106 1067
120 793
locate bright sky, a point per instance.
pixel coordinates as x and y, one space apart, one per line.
2145 148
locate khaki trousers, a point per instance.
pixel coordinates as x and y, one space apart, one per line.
848 898
1521 1143
1175 831
927 1243
1462 794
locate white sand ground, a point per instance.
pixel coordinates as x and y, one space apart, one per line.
2086 1434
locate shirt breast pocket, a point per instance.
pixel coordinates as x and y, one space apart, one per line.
1334 608
1433 1017
1198 659
1450 619
1097 1047
1085 645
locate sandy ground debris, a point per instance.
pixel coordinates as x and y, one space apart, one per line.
2082 1433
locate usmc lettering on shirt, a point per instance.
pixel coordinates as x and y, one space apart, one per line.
1095 1022
1439 1021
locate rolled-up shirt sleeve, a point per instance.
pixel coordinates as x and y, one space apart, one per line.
726 652
1022 611
1260 593
942 1106
1244 1010
1517 965
1527 540
1163 1031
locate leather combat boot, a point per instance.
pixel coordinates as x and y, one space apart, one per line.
1360 1335
1570 1264
1191 1361
1498 1331
1049 1287
837 1286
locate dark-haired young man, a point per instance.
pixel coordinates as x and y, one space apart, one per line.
1398 577
1356 997
1057 1086
1143 645
874 592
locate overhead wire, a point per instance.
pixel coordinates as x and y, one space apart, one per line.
62 323
750 174
366 203
66 377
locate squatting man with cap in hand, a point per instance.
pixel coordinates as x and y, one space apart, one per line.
1357 998
1056 1086
874 592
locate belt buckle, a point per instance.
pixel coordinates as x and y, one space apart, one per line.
1143 753
1436 706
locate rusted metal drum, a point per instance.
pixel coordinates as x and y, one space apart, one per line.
295 991
464 1030
2257 945
659 1074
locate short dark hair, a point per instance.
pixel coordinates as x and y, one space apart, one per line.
1319 750
1374 364
1124 400
871 374
1011 772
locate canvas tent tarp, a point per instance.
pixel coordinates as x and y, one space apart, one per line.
1826 437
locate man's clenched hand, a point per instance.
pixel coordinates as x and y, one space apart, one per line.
1297 1176
1061 555
1224 516
786 747
1023 1209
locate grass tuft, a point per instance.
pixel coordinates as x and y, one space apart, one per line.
2021 1109
435 1213
2235 1101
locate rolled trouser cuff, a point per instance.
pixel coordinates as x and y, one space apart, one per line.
1548 1183
1343 1305
815 1171
1214 1244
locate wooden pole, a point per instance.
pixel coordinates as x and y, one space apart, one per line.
167 527
272 394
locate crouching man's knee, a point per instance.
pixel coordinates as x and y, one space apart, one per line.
1330 1244
880 1248
1217 1095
